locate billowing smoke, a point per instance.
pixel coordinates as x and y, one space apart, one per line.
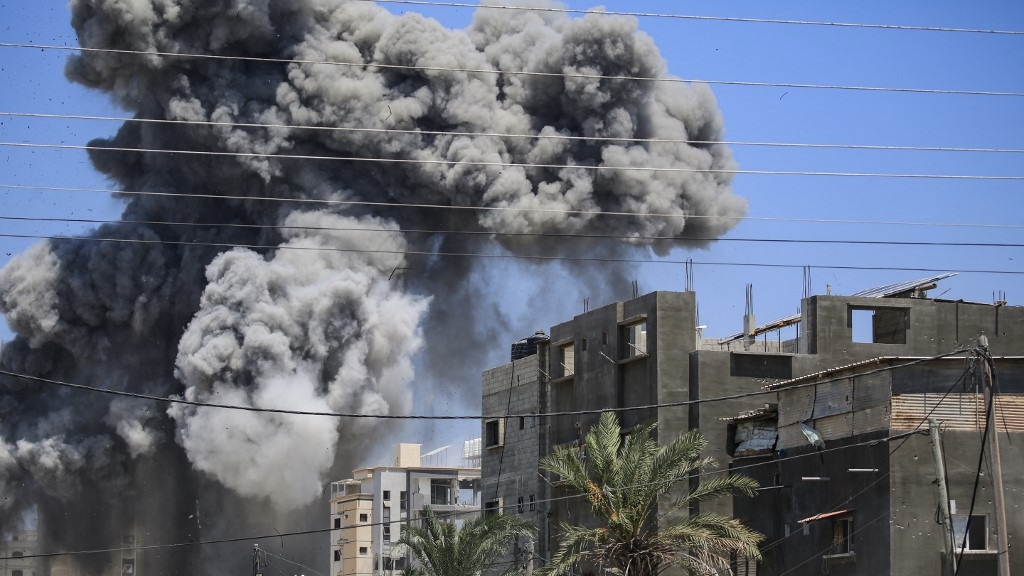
257 278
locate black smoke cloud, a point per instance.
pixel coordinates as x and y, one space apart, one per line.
332 316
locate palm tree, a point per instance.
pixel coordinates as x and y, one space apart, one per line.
444 549
633 485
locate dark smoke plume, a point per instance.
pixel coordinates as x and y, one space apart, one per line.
333 316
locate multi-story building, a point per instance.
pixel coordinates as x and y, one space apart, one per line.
19 551
850 473
649 352
370 510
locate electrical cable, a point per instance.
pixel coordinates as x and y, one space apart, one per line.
452 163
556 136
263 550
512 256
332 202
403 67
441 515
603 12
179 400
819 554
487 233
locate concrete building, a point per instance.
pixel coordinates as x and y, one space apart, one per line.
865 501
18 549
649 351
370 510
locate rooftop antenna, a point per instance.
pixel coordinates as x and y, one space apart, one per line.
586 305
749 323
636 289
689 274
807 281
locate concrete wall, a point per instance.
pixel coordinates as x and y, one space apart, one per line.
933 326
510 470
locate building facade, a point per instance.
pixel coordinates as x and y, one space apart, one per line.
370 510
649 352
866 499
19 550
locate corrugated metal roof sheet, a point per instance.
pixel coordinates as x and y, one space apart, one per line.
956 411
835 427
871 390
871 419
900 287
796 405
832 398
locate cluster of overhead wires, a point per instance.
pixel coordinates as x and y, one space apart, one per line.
179 168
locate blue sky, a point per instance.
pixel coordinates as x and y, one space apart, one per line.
708 50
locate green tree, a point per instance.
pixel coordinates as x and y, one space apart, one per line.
633 485
444 549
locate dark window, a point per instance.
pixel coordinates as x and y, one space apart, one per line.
337 523
583 345
440 492
522 422
16 573
494 433
520 508
387 533
842 536
533 502
771 366
337 555
403 500
363 550
364 517
17 554
492 507
604 337
387 494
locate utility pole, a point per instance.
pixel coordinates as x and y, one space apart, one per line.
1002 538
949 544
256 560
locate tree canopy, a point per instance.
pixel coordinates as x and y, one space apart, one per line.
638 491
443 548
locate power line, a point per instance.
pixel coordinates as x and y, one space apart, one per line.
333 202
441 515
706 18
558 235
555 136
509 256
670 79
597 167
173 400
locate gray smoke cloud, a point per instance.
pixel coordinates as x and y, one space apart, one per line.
334 303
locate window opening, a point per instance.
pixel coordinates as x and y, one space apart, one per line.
440 492
634 340
842 537
976 531
387 494
364 517
494 432
566 360
879 325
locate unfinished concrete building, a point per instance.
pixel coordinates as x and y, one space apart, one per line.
649 351
864 498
